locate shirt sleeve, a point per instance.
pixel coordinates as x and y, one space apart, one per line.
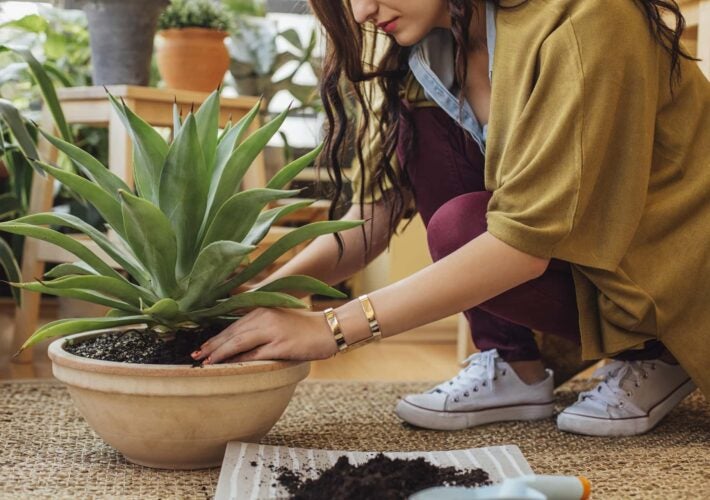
571 178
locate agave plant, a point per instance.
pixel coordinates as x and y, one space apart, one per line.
184 237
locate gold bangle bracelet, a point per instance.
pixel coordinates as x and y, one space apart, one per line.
335 328
370 314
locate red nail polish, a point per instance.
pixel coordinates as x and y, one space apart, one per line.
196 353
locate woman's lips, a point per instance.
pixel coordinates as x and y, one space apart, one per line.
389 26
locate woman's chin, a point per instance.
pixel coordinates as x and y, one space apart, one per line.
407 39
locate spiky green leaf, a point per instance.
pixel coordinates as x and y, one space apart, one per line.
79 294
240 161
247 206
78 268
183 192
248 300
61 240
213 266
301 283
284 244
286 174
207 119
165 309
267 218
177 118
63 327
149 150
153 241
92 167
120 255
117 288
105 204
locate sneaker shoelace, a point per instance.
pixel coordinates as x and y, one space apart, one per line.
479 372
614 391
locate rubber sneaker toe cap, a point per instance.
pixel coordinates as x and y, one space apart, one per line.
434 401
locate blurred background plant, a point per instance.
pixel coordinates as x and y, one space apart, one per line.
260 67
194 14
60 41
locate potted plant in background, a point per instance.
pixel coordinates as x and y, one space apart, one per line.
256 58
122 33
191 50
186 241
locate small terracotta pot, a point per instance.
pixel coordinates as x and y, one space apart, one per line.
176 416
192 58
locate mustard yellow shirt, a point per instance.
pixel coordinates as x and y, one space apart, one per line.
591 159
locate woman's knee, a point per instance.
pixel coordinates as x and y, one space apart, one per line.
456 222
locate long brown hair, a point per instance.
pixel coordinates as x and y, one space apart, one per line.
349 65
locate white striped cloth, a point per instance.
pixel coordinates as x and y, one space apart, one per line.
240 480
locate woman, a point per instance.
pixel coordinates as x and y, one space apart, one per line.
590 220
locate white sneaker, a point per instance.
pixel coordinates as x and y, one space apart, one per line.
632 399
486 390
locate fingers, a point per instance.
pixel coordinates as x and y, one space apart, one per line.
262 352
238 327
234 345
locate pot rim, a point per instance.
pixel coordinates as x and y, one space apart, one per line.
64 358
193 32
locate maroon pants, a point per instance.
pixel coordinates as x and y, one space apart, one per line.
446 170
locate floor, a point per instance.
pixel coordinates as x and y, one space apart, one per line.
397 359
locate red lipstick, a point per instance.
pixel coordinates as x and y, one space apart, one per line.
388 26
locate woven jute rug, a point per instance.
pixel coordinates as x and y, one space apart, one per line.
48 451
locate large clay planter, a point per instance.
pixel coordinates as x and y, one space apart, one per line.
173 416
192 58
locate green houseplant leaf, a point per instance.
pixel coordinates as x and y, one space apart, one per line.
302 283
12 270
152 240
149 150
284 244
240 160
249 205
214 264
183 191
80 294
61 240
63 327
127 261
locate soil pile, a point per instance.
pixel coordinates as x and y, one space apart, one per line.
381 477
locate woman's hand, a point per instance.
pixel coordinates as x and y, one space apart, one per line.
270 334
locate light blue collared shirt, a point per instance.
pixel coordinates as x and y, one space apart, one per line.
432 64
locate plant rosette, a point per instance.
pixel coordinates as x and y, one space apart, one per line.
184 240
176 416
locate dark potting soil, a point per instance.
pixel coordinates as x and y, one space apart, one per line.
381 477
143 346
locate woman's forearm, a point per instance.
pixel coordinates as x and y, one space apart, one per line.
478 271
320 258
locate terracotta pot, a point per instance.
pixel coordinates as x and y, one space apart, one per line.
174 416
193 58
